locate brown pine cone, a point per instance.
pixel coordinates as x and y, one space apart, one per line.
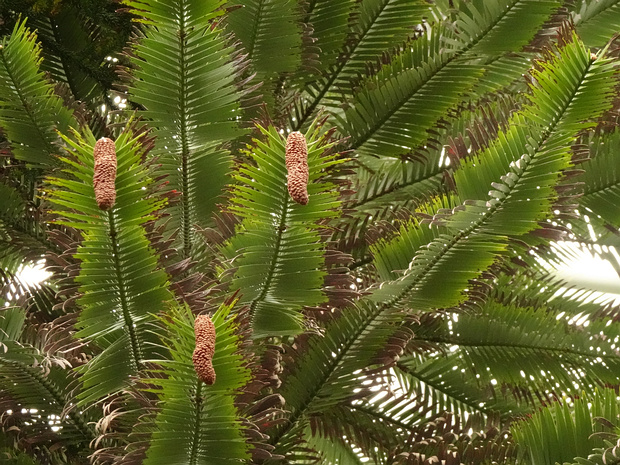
105 173
297 166
204 329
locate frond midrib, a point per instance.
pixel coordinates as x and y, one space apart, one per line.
193 457
438 388
185 152
564 350
58 398
136 351
276 255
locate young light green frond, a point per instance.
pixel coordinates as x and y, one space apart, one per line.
185 81
597 21
197 423
564 431
278 252
569 91
120 280
30 112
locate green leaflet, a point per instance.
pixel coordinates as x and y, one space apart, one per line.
280 268
121 283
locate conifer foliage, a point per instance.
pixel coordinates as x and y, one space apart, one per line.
308 231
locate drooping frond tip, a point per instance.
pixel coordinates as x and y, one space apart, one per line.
297 167
204 329
104 176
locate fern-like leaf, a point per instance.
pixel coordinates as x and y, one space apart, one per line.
30 112
120 280
280 266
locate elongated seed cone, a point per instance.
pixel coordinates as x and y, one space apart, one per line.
204 329
105 173
297 167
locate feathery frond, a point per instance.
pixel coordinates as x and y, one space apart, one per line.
185 82
30 112
277 252
121 283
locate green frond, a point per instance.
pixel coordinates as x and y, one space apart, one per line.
393 113
13 205
445 385
375 26
531 348
493 28
438 276
392 116
601 178
374 427
386 185
564 431
120 280
38 380
391 255
329 21
30 112
329 369
333 451
21 235
270 32
569 92
197 423
69 46
277 251
597 21
185 81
